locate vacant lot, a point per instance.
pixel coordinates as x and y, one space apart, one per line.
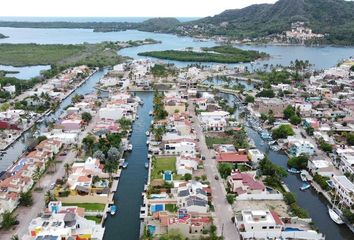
90 207
162 164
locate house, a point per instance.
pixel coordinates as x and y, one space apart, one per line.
245 183
232 157
344 188
65 223
72 125
321 167
192 197
297 147
180 146
214 121
255 155
186 164
50 145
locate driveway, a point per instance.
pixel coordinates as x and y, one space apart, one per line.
223 210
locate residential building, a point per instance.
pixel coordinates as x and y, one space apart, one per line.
344 189
245 183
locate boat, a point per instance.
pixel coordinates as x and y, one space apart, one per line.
113 209
150 113
147 133
130 147
293 170
146 165
147 142
303 176
334 216
305 186
125 164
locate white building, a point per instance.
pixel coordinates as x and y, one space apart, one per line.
113 113
186 164
344 189
192 197
178 147
214 121
255 155
300 146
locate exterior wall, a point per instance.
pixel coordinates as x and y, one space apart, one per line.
111 113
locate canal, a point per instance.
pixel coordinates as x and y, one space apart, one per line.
125 225
19 147
315 205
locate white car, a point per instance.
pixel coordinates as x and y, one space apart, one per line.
52 186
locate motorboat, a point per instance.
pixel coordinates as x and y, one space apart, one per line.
146 165
334 216
130 147
305 186
150 113
293 170
303 176
125 164
147 133
113 210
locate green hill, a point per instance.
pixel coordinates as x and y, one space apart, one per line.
332 17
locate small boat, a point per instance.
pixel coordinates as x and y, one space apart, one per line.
147 142
150 113
130 147
141 102
113 209
147 133
303 176
334 216
146 165
305 186
293 170
125 164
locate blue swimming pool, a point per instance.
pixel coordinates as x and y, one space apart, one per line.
290 229
151 229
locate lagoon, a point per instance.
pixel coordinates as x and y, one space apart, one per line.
24 73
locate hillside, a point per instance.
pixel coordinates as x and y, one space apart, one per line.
335 17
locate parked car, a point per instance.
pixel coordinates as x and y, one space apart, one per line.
203 157
52 186
216 177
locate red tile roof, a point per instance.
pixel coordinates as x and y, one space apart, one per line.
231 157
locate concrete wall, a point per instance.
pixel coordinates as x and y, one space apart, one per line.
259 196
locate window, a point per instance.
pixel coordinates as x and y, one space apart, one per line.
264 227
271 227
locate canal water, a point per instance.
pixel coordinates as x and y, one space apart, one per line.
15 151
125 225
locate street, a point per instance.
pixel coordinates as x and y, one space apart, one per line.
223 210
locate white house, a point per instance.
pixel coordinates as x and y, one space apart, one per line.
214 121
111 113
192 197
344 189
186 164
300 146
255 155
181 146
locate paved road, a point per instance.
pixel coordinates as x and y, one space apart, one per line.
26 214
223 210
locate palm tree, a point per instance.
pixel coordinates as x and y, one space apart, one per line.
8 220
67 168
37 175
78 149
14 237
51 163
48 197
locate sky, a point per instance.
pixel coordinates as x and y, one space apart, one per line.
121 8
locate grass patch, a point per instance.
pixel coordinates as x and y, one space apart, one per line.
162 164
91 207
97 219
100 54
171 208
210 141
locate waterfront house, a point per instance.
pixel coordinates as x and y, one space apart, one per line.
180 146
264 105
245 183
344 188
297 146
255 156
65 223
192 197
321 167
72 125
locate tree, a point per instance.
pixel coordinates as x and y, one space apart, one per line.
348 215
113 154
159 132
8 220
269 93
289 198
187 176
89 142
204 177
289 111
125 123
37 174
350 139
172 235
230 198
295 120
49 197
299 162
67 169
99 155
40 139
310 130
26 198
86 117
51 163
225 169
326 147
283 131
15 237
249 99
